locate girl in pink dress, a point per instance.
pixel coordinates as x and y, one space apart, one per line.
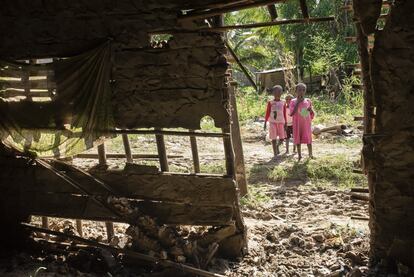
302 114
276 116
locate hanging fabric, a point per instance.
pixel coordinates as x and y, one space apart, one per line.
74 115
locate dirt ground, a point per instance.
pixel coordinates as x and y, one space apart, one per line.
295 228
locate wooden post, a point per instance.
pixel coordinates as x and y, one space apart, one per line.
194 152
102 155
45 222
127 147
102 163
109 230
237 143
162 153
79 227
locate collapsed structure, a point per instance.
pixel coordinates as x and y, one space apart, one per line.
104 50
75 71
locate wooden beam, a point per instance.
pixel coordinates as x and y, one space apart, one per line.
82 207
237 144
170 133
120 156
247 26
304 8
183 188
240 64
219 11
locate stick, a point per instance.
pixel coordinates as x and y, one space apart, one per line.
360 217
361 190
242 67
359 197
129 253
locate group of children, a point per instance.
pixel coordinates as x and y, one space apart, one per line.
290 118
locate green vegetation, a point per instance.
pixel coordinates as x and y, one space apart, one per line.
257 196
348 104
320 46
332 169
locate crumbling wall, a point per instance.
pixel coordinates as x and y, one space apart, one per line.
392 192
172 86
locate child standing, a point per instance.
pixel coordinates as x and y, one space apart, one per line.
302 114
289 123
276 115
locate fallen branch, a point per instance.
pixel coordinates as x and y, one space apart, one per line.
128 253
357 196
363 190
337 128
359 217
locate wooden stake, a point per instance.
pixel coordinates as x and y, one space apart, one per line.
127 147
102 154
45 222
128 253
79 227
162 153
110 232
102 163
194 152
237 144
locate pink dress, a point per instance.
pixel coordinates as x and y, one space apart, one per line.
302 120
276 115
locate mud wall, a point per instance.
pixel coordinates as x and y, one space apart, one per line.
391 142
170 86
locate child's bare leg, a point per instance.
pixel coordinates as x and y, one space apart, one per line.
310 151
275 147
299 151
294 148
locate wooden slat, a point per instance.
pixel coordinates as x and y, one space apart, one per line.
162 153
20 92
81 207
120 156
19 73
127 148
32 84
157 187
194 152
219 11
